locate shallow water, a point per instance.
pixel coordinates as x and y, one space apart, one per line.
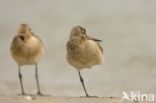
127 28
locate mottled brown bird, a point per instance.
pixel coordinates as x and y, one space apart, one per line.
83 51
27 49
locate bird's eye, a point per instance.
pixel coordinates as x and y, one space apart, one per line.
84 31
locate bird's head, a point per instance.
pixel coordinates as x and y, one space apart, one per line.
78 31
24 29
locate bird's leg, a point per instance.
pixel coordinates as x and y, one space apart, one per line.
37 81
20 78
83 85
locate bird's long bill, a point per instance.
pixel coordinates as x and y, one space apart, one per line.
91 38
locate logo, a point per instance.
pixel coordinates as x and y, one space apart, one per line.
137 96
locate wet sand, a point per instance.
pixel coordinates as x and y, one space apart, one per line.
53 99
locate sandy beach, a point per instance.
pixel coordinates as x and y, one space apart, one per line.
126 27
53 99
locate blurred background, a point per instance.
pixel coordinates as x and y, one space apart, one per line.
128 31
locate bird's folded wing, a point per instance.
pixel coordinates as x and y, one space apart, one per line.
101 48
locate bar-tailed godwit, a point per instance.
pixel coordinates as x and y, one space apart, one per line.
27 49
83 51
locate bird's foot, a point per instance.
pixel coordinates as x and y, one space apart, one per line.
39 93
22 94
88 96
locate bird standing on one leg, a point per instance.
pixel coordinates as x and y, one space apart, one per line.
27 49
83 51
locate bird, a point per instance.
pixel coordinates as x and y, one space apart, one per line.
83 51
27 49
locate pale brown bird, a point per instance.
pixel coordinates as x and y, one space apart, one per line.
27 49
83 51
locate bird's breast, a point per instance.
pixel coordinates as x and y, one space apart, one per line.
30 51
32 44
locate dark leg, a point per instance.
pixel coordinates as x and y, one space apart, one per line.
37 81
20 78
82 82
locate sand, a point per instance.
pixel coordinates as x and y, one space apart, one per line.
53 99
